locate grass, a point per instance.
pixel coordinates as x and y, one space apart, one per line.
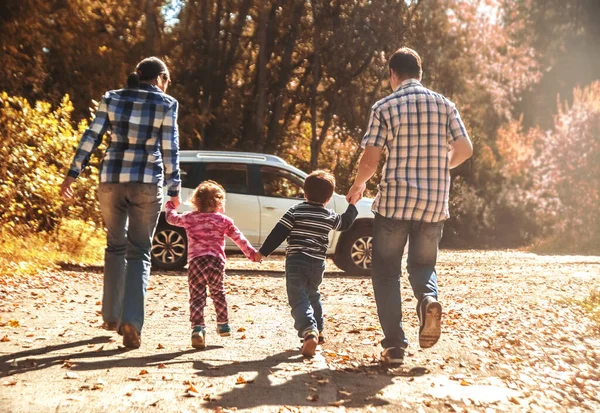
24 253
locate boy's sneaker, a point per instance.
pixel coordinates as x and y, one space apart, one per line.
311 340
223 330
198 337
131 337
392 355
430 317
321 337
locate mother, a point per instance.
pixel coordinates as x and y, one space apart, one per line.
143 151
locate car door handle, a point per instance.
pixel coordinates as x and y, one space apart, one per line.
270 208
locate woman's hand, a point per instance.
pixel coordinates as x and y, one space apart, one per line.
65 188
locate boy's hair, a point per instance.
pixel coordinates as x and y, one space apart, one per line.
319 186
208 196
406 62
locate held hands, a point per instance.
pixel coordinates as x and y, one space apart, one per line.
258 257
355 193
65 188
176 200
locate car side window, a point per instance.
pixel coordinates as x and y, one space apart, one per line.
187 172
281 183
232 176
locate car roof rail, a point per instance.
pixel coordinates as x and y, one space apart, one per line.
230 155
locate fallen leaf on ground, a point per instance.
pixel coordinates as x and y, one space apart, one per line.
241 330
4 339
71 375
160 346
313 398
162 366
240 380
144 371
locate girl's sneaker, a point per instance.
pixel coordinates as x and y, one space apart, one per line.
321 337
224 330
198 335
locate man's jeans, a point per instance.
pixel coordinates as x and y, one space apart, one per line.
303 276
389 239
130 212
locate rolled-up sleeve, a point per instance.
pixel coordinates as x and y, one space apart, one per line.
91 139
456 127
170 150
376 134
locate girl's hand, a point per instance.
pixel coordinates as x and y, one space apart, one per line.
176 200
258 257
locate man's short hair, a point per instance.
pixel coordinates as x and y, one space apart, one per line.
319 186
406 63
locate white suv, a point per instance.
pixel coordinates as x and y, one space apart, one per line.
260 189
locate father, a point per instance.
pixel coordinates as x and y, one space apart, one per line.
425 138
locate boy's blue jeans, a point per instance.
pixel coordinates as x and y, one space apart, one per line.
389 239
303 276
130 212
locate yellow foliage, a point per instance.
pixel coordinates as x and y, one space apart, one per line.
38 144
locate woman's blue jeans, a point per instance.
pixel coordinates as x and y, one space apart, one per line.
130 212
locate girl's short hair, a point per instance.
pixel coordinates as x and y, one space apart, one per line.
208 196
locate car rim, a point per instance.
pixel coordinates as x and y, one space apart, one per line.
168 246
361 252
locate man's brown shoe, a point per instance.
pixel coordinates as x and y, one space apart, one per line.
131 337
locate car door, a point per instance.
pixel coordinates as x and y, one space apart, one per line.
240 204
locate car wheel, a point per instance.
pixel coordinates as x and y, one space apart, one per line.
169 248
354 251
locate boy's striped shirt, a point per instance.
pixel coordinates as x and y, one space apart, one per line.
306 227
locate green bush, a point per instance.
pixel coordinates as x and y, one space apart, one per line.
38 144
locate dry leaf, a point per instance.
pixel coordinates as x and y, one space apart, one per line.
144 371
4 339
14 323
129 393
162 366
241 330
192 389
338 403
344 393
240 380
9 383
313 398
134 379
71 375
160 346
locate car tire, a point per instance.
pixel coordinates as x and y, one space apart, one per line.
169 248
353 254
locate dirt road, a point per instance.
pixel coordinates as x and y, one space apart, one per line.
512 341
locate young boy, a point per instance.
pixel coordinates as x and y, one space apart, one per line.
306 226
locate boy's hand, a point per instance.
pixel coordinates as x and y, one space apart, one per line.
258 257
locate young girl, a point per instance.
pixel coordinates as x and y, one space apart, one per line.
206 228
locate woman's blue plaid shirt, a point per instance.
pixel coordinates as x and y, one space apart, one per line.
144 138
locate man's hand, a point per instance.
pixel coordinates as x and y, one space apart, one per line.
65 188
258 257
176 200
355 193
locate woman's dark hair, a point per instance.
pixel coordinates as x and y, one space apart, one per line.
406 62
146 70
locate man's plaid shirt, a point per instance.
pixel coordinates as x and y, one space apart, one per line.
143 137
416 126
